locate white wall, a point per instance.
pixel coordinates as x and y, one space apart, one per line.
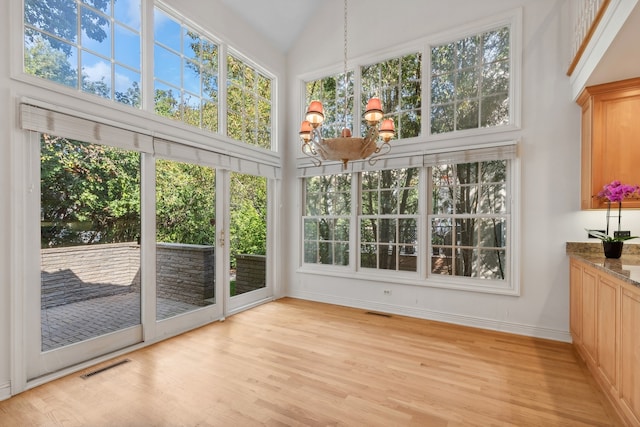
212 15
550 158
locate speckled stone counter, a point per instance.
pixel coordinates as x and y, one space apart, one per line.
626 268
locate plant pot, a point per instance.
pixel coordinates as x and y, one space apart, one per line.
612 249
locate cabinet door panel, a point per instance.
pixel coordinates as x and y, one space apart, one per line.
589 312
607 306
575 299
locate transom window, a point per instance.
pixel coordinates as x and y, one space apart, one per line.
398 83
248 104
470 82
332 91
185 73
89 45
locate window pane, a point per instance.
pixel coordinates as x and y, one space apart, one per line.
96 75
397 82
167 101
167 66
99 40
326 222
127 47
167 31
50 59
59 20
127 86
185 235
248 111
128 12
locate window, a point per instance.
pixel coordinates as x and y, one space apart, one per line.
333 91
398 84
248 104
469 220
185 74
93 46
326 219
389 219
470 81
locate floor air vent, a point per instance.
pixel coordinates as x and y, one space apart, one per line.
377 314
97 371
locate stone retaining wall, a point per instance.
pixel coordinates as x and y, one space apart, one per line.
185 272
251 272
76 273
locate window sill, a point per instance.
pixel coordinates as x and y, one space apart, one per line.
413 279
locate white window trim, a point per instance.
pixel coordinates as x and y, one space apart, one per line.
513 20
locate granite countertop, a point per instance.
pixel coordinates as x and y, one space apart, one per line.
626 268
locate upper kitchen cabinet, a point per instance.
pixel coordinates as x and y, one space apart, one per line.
610 139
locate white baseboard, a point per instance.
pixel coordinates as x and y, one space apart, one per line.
5 391
458 319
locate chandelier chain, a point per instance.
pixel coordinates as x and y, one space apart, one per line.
346 80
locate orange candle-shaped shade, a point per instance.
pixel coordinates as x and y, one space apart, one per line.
305 131
315 113
374 111
387 129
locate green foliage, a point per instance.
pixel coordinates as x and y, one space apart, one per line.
470 82
89 193
185 203
248 215
60 19
43 60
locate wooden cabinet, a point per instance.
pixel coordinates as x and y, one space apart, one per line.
610 139
605 314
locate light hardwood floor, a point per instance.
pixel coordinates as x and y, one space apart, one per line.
293 362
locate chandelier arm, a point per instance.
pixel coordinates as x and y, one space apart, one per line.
308 150
383 149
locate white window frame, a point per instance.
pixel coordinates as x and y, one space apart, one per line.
501 150
512 20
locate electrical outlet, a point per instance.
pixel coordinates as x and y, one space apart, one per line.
591 236
624 233
387 291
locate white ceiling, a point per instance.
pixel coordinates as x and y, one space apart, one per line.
281 21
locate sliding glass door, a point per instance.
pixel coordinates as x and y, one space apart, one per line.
88 301
247 282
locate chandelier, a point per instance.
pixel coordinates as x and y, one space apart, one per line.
346 147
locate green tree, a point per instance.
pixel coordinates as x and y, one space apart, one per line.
59 17
42 60
89 193
248 220
185 203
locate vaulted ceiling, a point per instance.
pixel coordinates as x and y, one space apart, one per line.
281 21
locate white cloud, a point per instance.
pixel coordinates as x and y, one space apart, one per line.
96 72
